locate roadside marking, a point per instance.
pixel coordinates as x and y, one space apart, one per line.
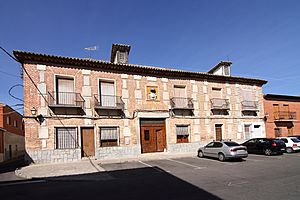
148 165
263 156
23 182
217 161
187 164
253 160
234 184
292 155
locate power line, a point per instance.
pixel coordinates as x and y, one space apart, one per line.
32 81
8 74
10 89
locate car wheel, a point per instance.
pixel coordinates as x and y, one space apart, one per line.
268 152
221 157
200 154
289 150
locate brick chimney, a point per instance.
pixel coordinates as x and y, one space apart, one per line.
119 53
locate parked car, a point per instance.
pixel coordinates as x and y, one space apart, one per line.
223 150
292 144
267 146
297 136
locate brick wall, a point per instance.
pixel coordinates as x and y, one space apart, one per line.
132 88
271 124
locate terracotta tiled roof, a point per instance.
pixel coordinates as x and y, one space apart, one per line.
100 65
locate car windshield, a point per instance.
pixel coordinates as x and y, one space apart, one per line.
231 144
295 140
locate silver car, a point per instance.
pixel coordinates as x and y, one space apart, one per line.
223 150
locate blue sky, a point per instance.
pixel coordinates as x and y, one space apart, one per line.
260 37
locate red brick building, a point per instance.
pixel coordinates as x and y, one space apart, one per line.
12 143
282 115
114 109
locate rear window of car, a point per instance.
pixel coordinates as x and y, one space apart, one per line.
278 141
295 140
231 144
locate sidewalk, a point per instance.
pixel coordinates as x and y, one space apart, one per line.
86 166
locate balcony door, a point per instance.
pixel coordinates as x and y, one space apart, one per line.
286 111
276 111
180 99
65 91
107 94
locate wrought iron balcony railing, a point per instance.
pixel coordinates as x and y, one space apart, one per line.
65 99
108 102
285 116
182 103
249 105
219 104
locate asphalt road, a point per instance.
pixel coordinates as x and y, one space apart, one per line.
257 177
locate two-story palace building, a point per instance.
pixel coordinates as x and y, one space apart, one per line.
115 109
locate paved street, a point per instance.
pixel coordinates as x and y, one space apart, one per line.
257 177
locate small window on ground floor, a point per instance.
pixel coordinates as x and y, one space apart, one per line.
109 136
182 133
66 138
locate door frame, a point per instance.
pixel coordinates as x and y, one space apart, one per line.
222 132
81 139
152 125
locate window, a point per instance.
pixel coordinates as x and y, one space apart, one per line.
122 57
15 123
226 71
284 140
247 131
8 120
217 145
107 93
152 93
210 145
182 132
146 135
232 144
277 132
66 138
109 136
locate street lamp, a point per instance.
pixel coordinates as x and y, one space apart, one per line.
38 118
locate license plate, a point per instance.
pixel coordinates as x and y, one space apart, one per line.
241 151
282 149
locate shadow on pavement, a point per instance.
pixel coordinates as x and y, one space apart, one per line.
141 183
12 165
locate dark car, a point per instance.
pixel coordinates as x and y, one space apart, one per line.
267 146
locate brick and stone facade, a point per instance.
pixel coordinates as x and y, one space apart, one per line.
131 83
282 115
12 142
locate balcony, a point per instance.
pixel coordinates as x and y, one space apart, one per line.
250 106
285 116
108 102
219 104
65 100
181 103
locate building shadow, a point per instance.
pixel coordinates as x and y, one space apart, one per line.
140 183
12 165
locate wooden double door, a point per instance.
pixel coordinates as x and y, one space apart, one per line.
153 137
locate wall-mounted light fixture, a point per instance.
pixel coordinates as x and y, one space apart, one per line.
39 118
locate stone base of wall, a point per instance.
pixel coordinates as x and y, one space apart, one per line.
117 152
184 147
1 157
52 156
